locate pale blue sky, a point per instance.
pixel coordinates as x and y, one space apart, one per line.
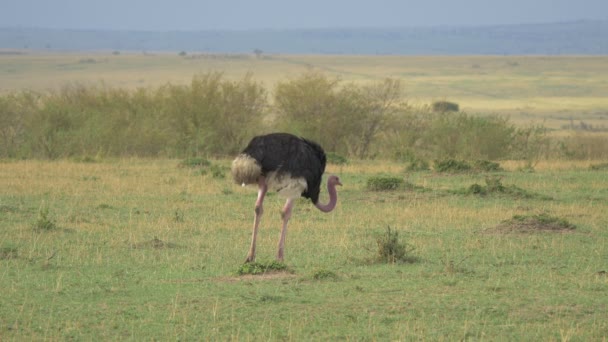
163 15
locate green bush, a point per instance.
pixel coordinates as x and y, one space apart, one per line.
452 165
384 183
469 137
456 166
215 116
343 118
255 268
487 166
44 222
391 250
324 275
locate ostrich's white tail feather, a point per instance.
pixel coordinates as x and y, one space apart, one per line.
245 170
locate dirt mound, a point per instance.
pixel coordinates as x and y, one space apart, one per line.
534 223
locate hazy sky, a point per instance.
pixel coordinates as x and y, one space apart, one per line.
166 15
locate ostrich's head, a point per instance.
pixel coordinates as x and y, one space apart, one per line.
333 181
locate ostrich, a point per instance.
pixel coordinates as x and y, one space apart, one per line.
290 165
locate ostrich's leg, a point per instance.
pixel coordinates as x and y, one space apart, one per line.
285 214
259 210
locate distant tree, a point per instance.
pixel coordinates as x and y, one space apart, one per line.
258 53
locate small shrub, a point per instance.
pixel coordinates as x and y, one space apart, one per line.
452 165
476 189
254 268
324 274
44 223
456 166
383 183
391 250
494 184
487 166
178 216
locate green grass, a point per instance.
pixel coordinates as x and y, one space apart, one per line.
149 250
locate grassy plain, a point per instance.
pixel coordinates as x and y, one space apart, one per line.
146 250
554 91
142 249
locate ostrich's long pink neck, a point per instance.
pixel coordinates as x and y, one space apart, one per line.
333 199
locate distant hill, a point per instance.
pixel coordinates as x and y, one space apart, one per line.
580 37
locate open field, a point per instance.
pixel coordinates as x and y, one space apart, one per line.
141 249
555 91
145 250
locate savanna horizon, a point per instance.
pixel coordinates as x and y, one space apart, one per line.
552 90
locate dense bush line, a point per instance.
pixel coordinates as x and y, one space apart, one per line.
213 116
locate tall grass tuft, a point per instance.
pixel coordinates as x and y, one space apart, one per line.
391 250
43 222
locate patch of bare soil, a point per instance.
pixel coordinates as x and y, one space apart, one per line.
532 224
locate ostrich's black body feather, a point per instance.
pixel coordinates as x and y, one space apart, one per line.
292 156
